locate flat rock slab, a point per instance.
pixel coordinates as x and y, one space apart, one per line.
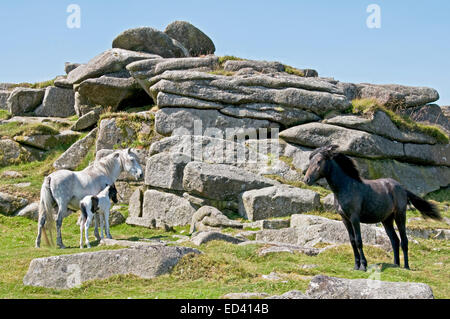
207 236
219 181
277 201
293 294
245 295
289 249
68 271
324 287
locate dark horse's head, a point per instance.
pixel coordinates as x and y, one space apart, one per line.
112 193
320 163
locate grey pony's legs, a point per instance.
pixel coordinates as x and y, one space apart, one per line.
41 224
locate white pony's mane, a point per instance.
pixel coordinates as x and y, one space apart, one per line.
105 164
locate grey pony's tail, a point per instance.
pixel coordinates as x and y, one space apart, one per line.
426 208
46 208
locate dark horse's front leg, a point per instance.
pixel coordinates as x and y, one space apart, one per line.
351 235
359 244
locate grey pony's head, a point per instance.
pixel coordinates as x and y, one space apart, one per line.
318 163
131 164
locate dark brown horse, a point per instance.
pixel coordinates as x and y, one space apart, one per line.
358 200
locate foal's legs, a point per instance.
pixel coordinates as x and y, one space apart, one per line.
359 243
82 225
86 229
351 235
400 220
97 222
395 242
106 217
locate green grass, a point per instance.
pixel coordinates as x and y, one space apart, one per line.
222 268
32 172
36 85
370 106
4 115
291 70
226 58
12 129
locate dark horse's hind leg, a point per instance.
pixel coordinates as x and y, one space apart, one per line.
395 242
351 235
400 220
359 244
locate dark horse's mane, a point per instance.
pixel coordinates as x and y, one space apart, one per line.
344 162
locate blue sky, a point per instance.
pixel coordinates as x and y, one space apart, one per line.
412 46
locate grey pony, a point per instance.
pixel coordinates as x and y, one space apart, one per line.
64 189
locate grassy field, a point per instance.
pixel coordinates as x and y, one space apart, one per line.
223 268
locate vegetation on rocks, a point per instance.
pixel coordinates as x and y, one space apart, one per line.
370 106
141 138
36 85
294 71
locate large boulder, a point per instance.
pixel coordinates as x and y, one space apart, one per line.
160 208
204 237
209 218
12 152
256 156
70 66
146 39
430 114
184 121
57 102
418 179
381 124
24 100
260 66
165 170
48 142
75 154
394 95
122 131
146 71
113 90
352 142
30 211
315 229
220 181
324 287
363 144
309 94
11 204
110 61
193 39
69 271
4 95
277 201
286 116
87 120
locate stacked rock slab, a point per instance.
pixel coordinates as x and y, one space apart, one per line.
105 81
60 272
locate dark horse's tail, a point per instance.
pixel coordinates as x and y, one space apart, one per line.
426 208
